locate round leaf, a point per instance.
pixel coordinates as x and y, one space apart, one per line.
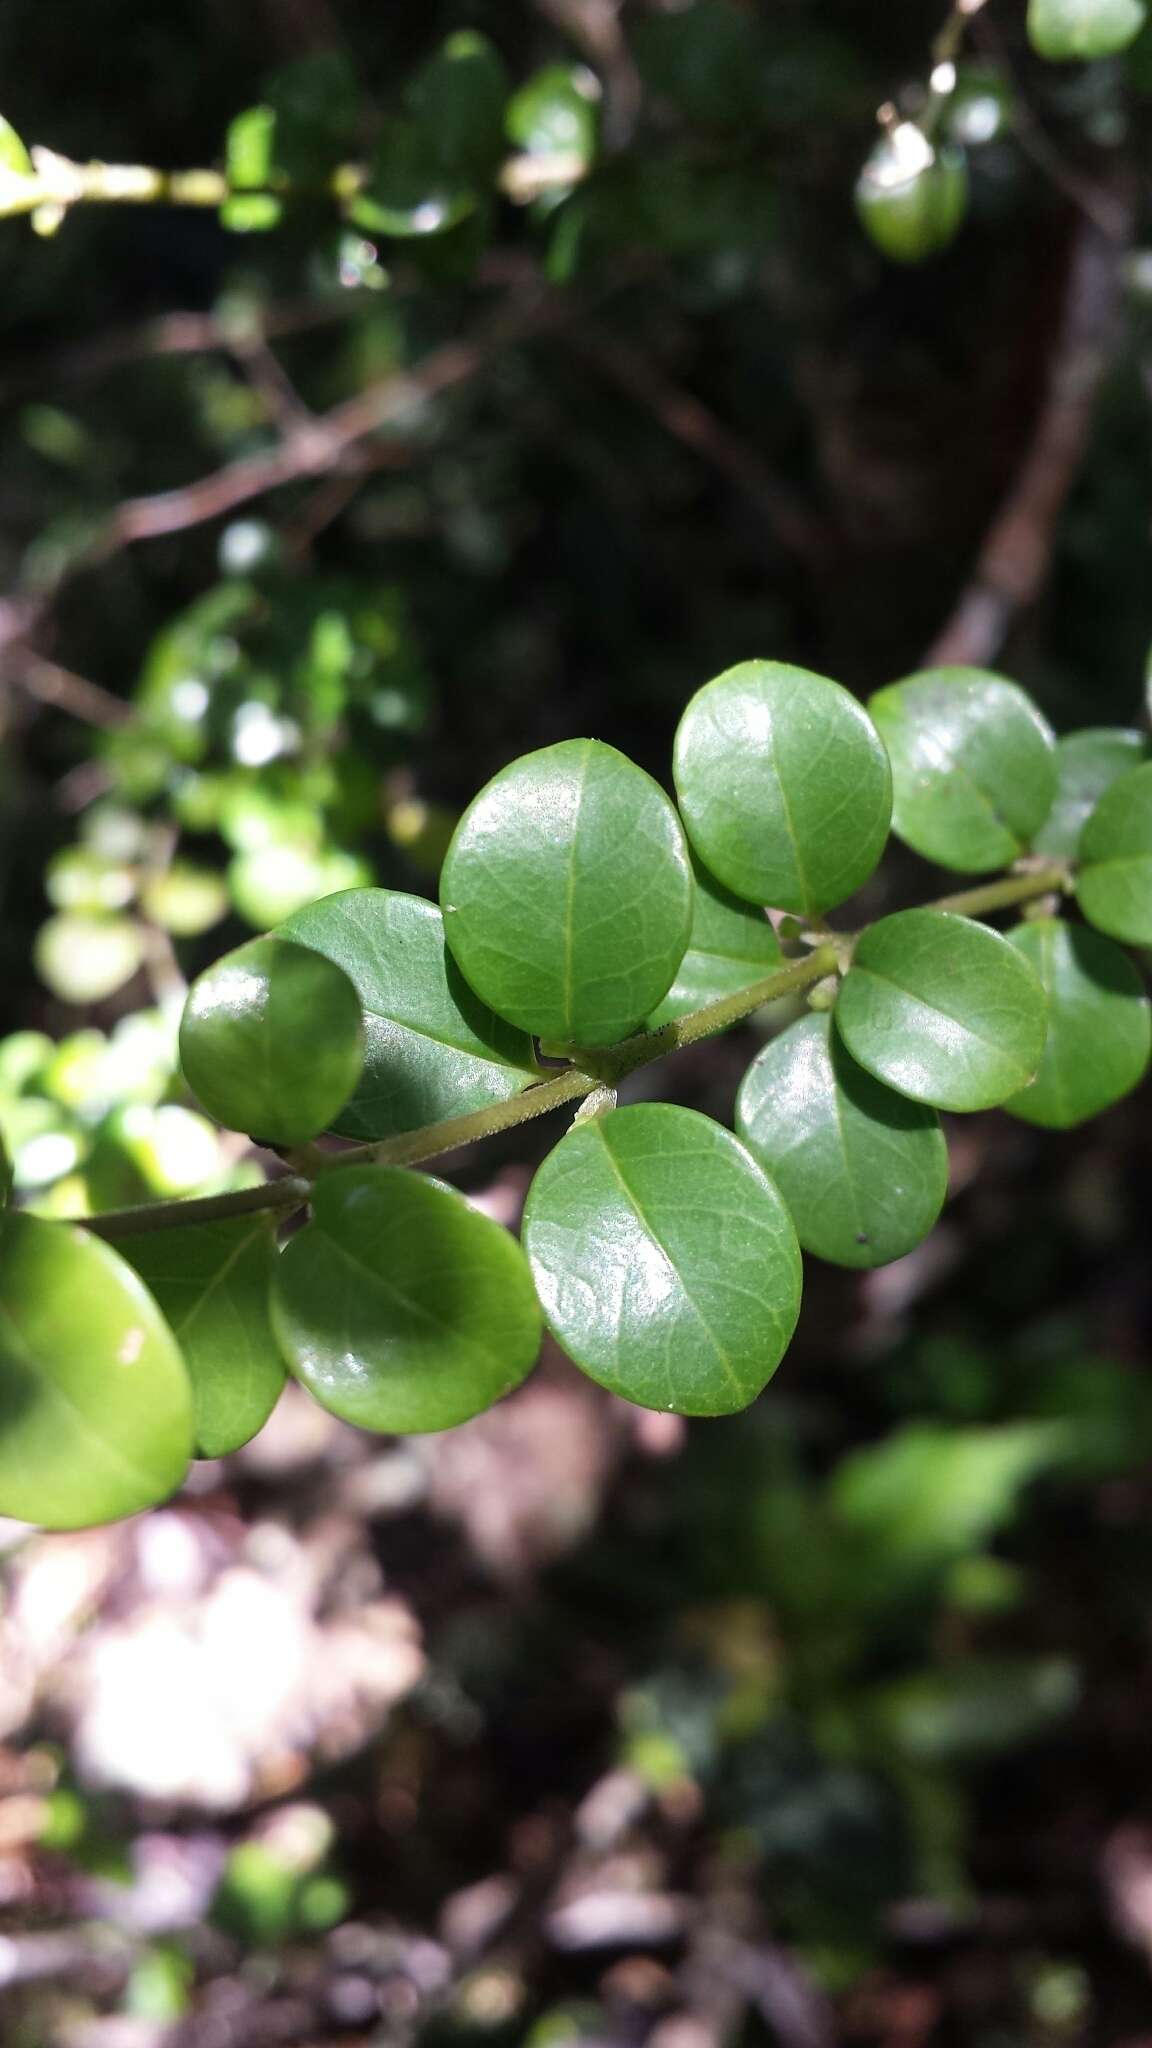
400 1307
95 1405
863 1170
1071 31
912 197
943 1010
1087 763
973 768
1115 883
432 1048
212 1282
665 1259
567 894
555 113
271 1040
1099 1024
83 959
784 786
730 945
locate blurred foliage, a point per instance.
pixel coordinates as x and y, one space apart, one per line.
873 1658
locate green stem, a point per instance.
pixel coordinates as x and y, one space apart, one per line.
178 1215
1004 895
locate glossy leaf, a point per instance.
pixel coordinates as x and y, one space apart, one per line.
1087 763
212 1282
567 894
731 944
432 1049
784 786
912 196
272 1040
665 1259
95 1404
1099 1024
973 767
400 1307
1114 887
943 1010
1076 30
556 113
863 1170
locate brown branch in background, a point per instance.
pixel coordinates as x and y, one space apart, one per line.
61 689
686 418
1017 550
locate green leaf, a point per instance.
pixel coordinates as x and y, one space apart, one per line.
1076 30
5 1174
432 1048
928 1493
912 197
83 959
433 168
400 1307
784 786
185 900
272 1041
730 945
95 1405
943 1010
665 1259
567 894
250 149
973 767
1099 1024
140 1153
709 59
271 883
863 1170
556 113
1114 888
1087 763
970 1710
14 157
212 1281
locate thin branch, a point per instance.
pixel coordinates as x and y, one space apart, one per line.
286 1194
689 420
1015 557
61 689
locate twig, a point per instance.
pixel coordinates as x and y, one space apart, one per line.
689 420
1014 559
48 683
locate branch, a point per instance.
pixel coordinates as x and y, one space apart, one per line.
48 683
1017 550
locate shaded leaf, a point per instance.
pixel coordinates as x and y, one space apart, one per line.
1087 763
1114 887
1099 1024
730 945
272 1040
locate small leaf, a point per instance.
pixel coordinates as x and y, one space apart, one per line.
272 882
943 1010
567 894
433 168
432 1048
140 1153
863 1170
926 1493
973 768
83 959
95 1405
731 944
14 157
1099 1024
5 1174
400 1307
1087 763
556 113
665 1259
185 900
272 1041
1076 30
1114 888
912 196
784 786
212 1282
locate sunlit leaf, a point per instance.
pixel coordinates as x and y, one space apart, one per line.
912 194
665 1259
272 1040
1077 30
83 958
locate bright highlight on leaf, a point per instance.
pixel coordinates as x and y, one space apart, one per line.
1087 763
863 1170
432 1049
665 1259
271 1040
1078 30
912 196
212 1282
784 786
95 1405
567 894
401 1308
973 772
1099 1024
943 1010
1115 882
